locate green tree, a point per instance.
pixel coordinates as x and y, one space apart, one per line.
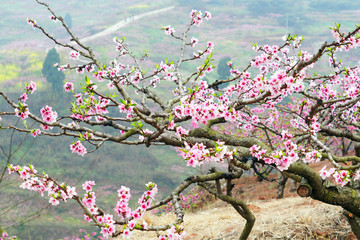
68 20
223 69
52 75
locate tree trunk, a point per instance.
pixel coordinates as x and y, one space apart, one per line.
292 185
304 189
354 222
326 191
281 185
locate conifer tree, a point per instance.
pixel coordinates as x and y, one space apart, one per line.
68 20
52 75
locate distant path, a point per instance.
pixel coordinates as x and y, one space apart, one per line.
123 23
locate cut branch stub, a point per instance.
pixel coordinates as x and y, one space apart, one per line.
304 189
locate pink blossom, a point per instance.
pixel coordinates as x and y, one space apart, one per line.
168 30
171 125
52 17
131 224
181 131
24 174
48 115
32 22
31 87
22 112
193 42
74 55
207 15
210 45
36 132
127 233
87 186
71 191
23 97
69 86
78 148
54 201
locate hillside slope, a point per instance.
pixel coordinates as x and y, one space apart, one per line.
288 218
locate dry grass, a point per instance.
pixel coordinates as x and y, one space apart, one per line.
288 218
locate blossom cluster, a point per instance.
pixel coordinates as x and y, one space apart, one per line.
5 236
112 71
74 55
48 115
32 22
284 157
341 177
78 147
122 209
197 154
22 110
89 201
35 132
176 232
42 184
168 30
30 88
203 105
281 158
126 107
131 217
86 108
63 192
197 17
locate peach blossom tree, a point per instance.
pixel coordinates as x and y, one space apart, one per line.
282 115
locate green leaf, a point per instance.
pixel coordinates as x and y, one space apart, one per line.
190 90
138 124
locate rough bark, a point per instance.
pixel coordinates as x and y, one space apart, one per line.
304 189
354 222
281 185
327 192
239 205
292 185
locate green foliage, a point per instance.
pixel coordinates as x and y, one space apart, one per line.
51 73
9 72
